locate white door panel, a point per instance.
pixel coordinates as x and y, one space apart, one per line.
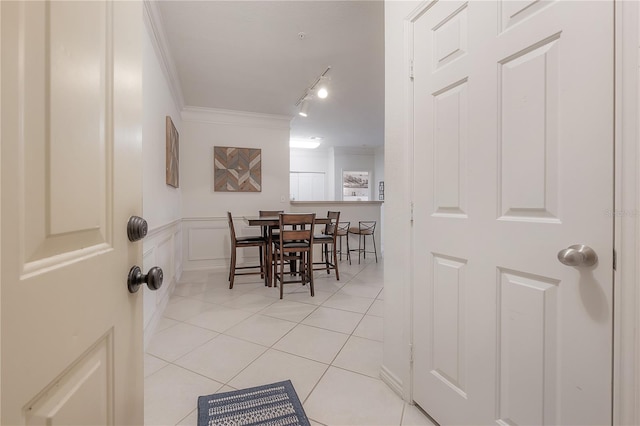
71 148
513 161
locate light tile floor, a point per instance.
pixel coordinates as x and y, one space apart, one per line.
212 339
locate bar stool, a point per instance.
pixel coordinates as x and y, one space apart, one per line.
365 227
343 231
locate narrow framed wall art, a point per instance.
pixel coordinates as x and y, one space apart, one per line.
172 155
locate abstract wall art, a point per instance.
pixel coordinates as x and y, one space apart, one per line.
172 155
237 169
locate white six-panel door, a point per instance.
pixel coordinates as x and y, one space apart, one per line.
513 162
71 153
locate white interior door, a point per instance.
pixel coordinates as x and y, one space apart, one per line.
71 337
513 140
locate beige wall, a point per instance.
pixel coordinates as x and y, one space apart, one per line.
205 231
161 204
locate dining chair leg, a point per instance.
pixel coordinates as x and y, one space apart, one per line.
281 275
232 268
262 274
310 273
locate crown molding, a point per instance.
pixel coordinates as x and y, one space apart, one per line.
153 22
236 118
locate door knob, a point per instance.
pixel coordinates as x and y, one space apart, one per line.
578 255
136 228
153 279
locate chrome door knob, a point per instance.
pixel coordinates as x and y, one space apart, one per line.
578 255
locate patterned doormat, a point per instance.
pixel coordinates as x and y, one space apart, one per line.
276 404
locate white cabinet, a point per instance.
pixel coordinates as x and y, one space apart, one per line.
307 186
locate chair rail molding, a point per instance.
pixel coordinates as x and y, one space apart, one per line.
207 243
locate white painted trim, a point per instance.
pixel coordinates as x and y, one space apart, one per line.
155 27
391 380
204 218
626 371
0 221
236 118
162 228
409 137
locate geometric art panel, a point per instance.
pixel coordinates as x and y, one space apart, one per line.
237 169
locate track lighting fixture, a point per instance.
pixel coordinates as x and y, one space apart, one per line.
318 89
304 108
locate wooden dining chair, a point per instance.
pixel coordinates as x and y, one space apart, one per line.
243 242
295 243
365 228
270 233
328 241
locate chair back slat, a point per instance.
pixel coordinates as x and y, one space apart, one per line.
296 226
295 234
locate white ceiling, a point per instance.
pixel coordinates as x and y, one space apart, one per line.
248 56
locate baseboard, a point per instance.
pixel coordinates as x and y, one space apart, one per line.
392 381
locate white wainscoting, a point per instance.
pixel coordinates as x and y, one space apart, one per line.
207 244
161 247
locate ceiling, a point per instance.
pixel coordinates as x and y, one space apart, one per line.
251 56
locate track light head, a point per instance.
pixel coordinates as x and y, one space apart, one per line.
304 108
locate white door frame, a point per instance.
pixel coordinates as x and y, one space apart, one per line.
626 365
626 348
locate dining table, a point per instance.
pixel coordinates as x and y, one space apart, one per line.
266 223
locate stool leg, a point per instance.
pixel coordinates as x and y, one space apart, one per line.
375 250
348 251
364 246
335 261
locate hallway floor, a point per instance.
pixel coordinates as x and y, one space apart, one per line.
212 339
